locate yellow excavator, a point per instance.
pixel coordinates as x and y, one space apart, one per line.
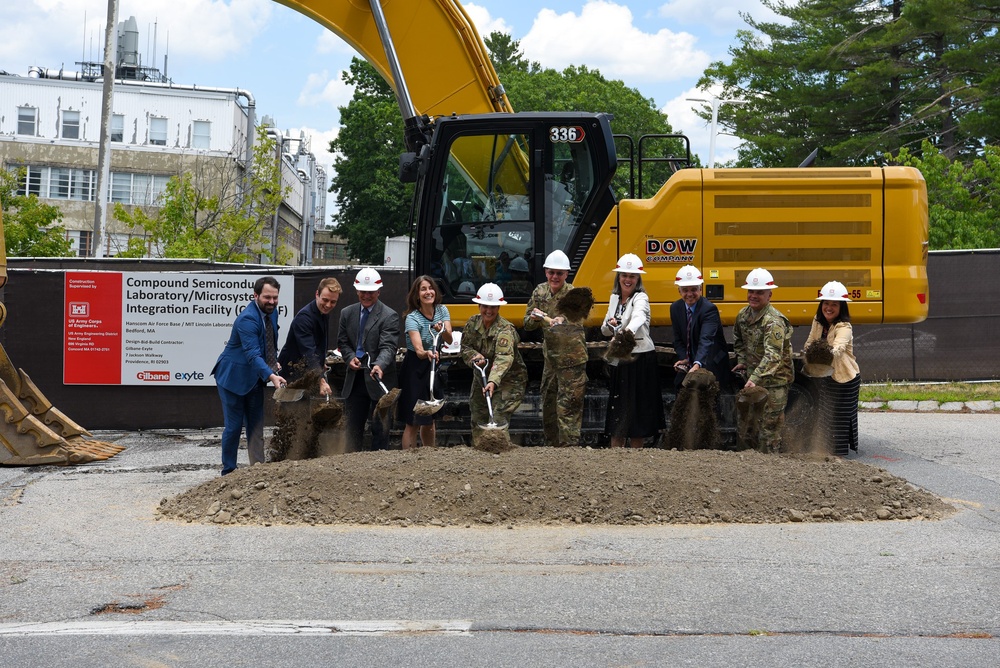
33 431
492 183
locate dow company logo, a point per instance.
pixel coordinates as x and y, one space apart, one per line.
154 376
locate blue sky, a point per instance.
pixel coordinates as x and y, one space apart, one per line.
292 65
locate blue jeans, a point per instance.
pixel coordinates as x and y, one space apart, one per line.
239 411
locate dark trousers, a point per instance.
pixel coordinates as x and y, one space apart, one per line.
241 411
358 407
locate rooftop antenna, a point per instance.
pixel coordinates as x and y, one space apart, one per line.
156 23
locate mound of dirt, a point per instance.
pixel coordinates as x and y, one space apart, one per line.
459 486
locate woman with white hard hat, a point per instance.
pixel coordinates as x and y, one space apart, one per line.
564 378
489 339
841 379
635 402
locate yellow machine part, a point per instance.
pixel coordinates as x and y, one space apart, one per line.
32 430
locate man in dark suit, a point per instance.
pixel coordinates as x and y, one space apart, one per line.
305 347
698 337
247 363
368 335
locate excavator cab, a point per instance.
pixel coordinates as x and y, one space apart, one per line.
499 192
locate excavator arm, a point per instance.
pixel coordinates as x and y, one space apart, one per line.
441 55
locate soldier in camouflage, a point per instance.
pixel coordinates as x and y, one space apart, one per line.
762 340
564 379
488 338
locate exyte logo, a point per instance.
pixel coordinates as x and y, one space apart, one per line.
154 376
189 376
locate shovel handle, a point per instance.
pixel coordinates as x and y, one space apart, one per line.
368 365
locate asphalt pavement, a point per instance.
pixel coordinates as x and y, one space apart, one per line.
91 577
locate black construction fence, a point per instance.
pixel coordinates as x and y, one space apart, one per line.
958 341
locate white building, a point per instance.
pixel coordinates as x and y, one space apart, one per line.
50 125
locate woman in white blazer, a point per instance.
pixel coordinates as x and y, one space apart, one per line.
635 403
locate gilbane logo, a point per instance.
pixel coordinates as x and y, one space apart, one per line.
154 376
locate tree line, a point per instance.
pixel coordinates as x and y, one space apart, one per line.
862 82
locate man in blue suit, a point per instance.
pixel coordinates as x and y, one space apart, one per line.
247 363
698 337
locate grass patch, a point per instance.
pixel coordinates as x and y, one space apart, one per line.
942 392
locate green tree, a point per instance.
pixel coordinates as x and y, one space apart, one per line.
373 203
212 212
855 79
963 200
30 227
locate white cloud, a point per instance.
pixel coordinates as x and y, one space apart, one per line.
681 114
48 32
321 89
485 23
721 17
330 42
604 36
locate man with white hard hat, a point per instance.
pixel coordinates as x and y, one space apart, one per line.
564 379
699 340
762 340
368 336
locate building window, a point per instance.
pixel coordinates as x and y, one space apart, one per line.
70 125
158 131
117 127
201 134
27 120
81 242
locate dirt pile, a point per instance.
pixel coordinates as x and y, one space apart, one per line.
460 486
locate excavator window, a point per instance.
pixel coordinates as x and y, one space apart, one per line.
502 192
485 218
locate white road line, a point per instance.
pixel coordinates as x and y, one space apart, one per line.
259 627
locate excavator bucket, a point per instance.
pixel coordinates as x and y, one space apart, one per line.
34 432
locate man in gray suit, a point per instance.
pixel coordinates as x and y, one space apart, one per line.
368 335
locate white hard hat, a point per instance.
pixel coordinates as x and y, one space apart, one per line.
367 280
760 279
489 294
834 291
557 260
629 264
519 264
688 275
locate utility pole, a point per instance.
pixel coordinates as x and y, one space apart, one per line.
104 152
715 103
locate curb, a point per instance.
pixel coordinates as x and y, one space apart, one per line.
931 406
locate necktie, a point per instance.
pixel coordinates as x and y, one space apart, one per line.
271 352
360 352
690 343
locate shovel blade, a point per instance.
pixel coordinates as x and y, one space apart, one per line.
286 394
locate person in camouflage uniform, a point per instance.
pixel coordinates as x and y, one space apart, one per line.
488 338
564 378
762 340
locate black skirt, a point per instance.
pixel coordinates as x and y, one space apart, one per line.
839 413
635 402
414 386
